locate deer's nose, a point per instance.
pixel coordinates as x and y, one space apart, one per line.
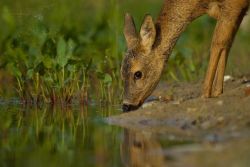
127 108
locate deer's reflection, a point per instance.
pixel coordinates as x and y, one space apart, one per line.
139 150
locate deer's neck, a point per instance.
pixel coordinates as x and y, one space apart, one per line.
172 21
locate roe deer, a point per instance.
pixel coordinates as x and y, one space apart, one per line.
150 49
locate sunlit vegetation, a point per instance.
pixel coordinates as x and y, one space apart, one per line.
57 55
64 52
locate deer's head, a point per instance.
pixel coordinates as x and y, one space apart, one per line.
142 65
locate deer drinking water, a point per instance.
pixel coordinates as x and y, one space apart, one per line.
148 51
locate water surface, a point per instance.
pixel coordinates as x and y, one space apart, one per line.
58 136
79 136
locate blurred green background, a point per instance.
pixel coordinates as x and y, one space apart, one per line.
62 51
65 51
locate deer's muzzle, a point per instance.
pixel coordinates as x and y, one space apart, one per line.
127 107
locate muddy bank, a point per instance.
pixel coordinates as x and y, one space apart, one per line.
212 132
183 112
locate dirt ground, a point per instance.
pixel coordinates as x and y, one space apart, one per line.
218 128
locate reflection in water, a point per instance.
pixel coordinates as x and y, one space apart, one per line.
139 150
78 136
145 150
58 136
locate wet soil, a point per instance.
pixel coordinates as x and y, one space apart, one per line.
218 128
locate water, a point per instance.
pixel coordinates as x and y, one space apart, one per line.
79 136
67 136
73 136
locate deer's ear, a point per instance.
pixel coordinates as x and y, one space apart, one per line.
130 31
148 32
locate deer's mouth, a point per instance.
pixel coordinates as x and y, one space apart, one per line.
129 107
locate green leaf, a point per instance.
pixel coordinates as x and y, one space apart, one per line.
71 47
107 79
61 53
47 62
48 79
14 70
30 73
71 68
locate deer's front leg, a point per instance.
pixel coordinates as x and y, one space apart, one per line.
219 78
222 40
232 27
215 55
223 35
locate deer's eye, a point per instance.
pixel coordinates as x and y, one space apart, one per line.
137 75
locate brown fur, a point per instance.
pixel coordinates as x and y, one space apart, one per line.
138 150
148 51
